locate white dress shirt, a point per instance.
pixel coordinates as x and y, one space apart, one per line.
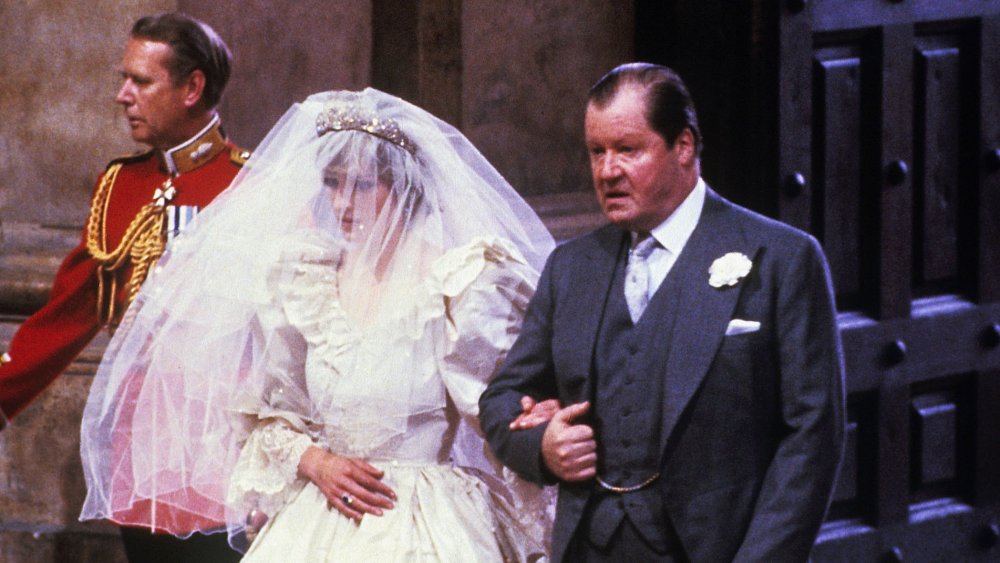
672 234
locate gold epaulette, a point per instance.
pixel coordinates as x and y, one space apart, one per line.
239 156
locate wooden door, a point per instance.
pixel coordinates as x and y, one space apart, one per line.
875 125
888 139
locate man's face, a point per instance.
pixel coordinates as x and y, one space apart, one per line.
154 106
639 180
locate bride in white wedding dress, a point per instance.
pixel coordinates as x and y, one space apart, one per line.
305 366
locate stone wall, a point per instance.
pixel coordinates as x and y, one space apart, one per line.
59 62
512 75
527 68
285 50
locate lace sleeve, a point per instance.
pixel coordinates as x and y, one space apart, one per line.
266 475
274 421
274 410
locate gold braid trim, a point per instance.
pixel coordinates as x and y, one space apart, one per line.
143 243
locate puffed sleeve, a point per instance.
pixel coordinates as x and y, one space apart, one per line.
266 474
275 408
486 288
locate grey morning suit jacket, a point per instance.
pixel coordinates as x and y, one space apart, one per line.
752 424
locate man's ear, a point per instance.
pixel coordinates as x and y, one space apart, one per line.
684 144
194 87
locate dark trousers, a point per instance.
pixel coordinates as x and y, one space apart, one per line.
625 545
142 546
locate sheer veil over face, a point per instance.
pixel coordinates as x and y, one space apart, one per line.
363 185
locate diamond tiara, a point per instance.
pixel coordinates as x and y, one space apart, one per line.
340 117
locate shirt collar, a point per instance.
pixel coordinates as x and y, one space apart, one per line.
676 229
197 150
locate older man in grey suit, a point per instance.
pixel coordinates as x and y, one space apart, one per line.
693 351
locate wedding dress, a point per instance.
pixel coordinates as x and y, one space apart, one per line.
444 344
354 290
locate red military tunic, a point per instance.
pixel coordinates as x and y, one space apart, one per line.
51 339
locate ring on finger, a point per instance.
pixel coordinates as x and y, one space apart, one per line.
348 499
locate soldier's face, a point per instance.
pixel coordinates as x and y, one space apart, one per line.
154 105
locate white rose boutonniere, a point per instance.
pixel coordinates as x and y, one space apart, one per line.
729 269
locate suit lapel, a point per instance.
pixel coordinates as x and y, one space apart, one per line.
588 291
700 312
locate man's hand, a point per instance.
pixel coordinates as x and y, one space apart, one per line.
350 485
569 450
534 413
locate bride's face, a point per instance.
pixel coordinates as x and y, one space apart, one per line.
357 201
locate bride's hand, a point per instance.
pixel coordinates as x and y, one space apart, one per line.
350 485
534 413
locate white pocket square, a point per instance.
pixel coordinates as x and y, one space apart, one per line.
740 326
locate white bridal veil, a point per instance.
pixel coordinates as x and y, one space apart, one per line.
381 189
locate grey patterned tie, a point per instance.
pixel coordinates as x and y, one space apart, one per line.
637 277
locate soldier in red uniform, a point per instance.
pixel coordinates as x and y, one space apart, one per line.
174 71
